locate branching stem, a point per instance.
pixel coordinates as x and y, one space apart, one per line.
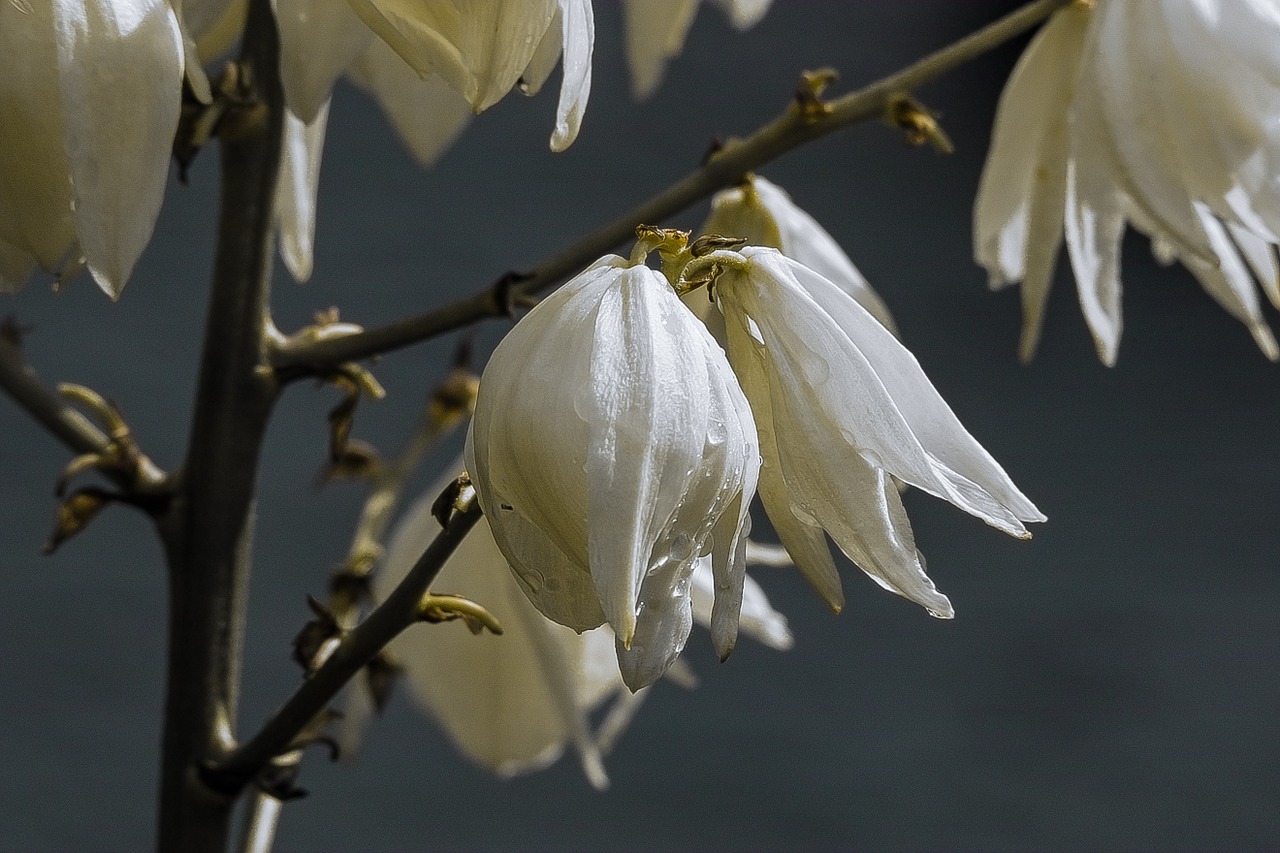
384 623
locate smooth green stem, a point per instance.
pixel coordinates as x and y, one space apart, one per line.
208 531
790 130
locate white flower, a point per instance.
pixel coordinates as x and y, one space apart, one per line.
762 213
840 406
90 92
512 703
1159 114
482 48
611 449
656 30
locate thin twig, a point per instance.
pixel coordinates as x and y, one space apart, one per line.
797 125
384 623
45 405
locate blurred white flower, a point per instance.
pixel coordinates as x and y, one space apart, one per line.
512 703
656 30
762 213
90 92
1159 114
611 449
840 405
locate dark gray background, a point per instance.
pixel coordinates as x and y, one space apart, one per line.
1109 685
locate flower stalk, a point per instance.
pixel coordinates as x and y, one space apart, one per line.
207 532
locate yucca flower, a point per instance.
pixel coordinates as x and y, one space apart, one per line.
611 450
841 408
90 92
481 48
1143 112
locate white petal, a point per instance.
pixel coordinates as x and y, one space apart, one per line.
607 421
852 378
120 67
319 39
559 586
509 702
656 31
744 13
579 41
758 620
1261 257
427 114
35 188
803 539
1231 285
763 214
1094 225
481 46
196 77
831 485
296 190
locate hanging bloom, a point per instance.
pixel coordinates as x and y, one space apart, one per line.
841 408
480 48
612 449
656 30
762 213
90 92
1155 114
512 703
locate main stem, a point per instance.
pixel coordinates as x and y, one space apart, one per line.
209 530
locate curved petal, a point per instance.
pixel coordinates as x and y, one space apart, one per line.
758 619
1018 213
579 42
35 191
480 46
428 114
120 66
508 702
763 214
827 481
296 189
844 372
656 31
319 39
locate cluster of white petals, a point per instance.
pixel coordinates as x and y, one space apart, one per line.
90 92
1155 113
612 451
616 445
512 703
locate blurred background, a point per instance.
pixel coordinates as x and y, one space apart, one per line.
1110 684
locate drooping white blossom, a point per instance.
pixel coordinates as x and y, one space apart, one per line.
511 703
1155 114
612 449
762 213
656 31
483 48
90 92
841 408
